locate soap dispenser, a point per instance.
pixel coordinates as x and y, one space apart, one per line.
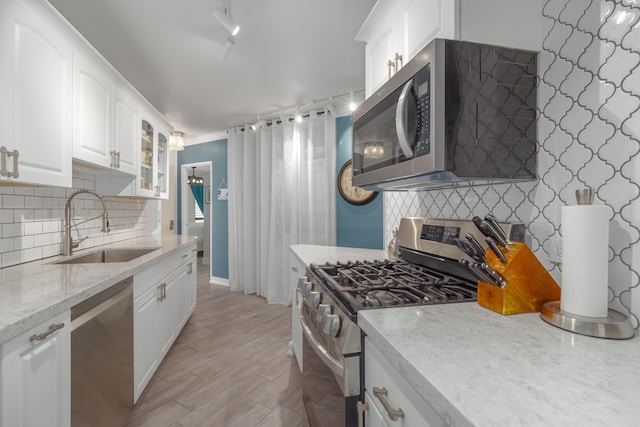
392 249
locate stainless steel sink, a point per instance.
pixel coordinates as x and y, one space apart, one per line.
109 255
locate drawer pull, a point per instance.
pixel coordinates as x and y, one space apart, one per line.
381 394
43 336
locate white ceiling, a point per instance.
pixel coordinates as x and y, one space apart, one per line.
288 52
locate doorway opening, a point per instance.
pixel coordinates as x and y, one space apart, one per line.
196 218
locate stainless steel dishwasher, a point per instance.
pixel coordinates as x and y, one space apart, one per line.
102 358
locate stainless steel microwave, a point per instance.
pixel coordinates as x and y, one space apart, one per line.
457 114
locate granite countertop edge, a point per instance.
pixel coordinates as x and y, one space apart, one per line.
33 292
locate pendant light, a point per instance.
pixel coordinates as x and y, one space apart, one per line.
176 140
193 179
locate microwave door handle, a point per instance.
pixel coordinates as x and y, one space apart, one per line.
401 130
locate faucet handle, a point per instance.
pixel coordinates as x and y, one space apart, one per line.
74 245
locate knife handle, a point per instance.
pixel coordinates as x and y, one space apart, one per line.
494 274
474 242
498 231
494 247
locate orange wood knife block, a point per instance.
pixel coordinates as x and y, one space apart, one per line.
529 284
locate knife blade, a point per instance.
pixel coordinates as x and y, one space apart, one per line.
496 250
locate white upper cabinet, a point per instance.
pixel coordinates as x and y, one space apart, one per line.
93 111
127 129
35 94
105 115
396 30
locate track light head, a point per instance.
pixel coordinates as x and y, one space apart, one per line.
226 21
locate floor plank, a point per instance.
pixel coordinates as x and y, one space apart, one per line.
228 367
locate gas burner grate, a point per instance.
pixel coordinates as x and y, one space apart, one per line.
376 284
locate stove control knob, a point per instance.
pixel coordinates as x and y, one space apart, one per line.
323 311
314 298
304 287
331 325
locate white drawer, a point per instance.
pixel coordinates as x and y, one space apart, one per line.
380 374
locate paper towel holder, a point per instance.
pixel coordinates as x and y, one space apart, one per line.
616 325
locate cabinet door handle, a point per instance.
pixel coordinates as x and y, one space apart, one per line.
161 289
381 394
164 291
398 58
294 269
118 153
189 268
391 66
44 335
113 159
3 161
15 173
361 408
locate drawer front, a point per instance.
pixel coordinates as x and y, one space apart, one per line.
146 279
400 395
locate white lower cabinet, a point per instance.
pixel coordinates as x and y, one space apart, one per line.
164 298
35 376
389 396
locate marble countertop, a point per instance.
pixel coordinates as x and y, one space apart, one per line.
479 368
33 292
308 254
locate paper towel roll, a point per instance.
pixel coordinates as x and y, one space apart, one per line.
585 265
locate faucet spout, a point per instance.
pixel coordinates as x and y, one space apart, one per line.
68 244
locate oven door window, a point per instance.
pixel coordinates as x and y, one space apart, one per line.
376 142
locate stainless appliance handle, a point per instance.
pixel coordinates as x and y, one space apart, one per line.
336 367
403 139
361 408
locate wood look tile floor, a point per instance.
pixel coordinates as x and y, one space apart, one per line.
228 367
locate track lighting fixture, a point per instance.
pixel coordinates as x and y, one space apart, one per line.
228 46
223 17
176 140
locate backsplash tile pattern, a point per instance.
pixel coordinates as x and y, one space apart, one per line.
32 220
589 135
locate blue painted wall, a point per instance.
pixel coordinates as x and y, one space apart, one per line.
356 226
216 152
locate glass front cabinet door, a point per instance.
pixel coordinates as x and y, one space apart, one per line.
147 164
154 159
162 158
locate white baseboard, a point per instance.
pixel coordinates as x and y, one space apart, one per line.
219 281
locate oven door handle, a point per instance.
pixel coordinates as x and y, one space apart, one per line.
331 362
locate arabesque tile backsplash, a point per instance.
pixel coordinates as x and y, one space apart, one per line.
32 220
588 133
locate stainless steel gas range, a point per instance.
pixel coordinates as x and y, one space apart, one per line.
430 269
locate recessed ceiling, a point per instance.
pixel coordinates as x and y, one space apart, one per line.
288 52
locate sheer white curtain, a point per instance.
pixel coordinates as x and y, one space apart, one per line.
281 192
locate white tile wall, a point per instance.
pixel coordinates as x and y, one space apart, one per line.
32 220
589 135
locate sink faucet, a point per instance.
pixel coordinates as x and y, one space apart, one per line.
69 245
